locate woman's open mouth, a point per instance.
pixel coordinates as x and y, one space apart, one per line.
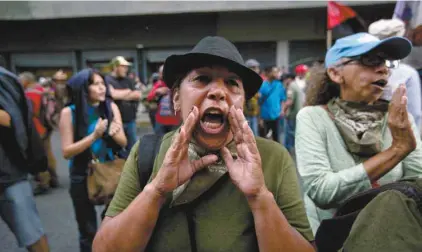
213 121
380 83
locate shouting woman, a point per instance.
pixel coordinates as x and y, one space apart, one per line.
214 186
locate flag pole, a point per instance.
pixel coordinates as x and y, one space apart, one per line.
329 38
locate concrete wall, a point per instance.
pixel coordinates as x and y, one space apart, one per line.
105 33
170 30
272 25
29 10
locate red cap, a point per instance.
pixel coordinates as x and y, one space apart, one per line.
301 69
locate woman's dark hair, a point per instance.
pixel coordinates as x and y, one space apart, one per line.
321 89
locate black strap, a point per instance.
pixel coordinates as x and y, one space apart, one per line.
147 151
191 228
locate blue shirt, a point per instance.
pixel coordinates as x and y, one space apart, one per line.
98 148
271 94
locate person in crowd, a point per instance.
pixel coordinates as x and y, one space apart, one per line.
251 108
301 72
126 96
17 204
166 119
151 105
290 109
90 126
215 187
35 92
138 83
347 139
59 80
403 74
256 67
283 70
272 94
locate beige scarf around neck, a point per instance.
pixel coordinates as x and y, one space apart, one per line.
359 124
203 179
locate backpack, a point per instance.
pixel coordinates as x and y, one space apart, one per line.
165 108
333 232
48 109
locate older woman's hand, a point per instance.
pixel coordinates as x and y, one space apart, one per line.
245 171
177 168
398 122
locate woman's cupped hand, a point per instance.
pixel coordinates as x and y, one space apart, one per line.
177 169
398 121
245 170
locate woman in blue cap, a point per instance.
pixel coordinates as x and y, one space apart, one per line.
90 125
347 139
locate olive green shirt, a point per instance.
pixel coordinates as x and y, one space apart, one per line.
222 218
295 94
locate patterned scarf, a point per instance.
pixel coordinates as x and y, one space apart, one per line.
359 124
203 179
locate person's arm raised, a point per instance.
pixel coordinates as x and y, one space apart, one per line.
132 228
71 148
272 229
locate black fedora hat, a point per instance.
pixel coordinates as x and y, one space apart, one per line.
208 52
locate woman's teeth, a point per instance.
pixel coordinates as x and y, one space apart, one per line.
213 122
212 125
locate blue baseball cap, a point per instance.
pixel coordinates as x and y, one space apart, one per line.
360 43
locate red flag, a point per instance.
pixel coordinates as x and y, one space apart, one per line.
337 14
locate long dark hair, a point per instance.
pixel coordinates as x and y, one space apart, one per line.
321 89
78 94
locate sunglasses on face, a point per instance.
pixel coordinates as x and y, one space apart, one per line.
372 60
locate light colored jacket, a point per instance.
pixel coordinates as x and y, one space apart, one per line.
330 173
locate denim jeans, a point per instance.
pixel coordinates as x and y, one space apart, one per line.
130 132
281 128
85 213
18 210
253 123
289 134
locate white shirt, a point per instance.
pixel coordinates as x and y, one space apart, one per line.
407 75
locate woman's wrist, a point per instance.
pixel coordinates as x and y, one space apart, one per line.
154 194
401 149
94 136
260 200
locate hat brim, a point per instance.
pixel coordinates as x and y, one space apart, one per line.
125 64
177 66
395 48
